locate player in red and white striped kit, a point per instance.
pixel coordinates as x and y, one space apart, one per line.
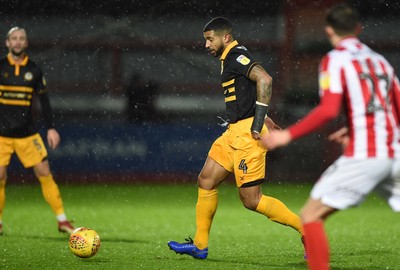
364 83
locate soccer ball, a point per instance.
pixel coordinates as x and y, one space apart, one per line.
84 242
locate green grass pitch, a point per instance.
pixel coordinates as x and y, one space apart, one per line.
136 221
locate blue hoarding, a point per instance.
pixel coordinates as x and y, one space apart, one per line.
130 148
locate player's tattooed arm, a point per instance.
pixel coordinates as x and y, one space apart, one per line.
263 83
264 91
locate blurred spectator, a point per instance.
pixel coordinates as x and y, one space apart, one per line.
141 94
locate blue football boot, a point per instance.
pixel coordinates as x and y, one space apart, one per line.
188 248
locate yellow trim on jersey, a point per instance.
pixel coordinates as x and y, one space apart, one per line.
231 90
231 98
225 84
17 66
227 49
16 88
12 62
25 61
15 102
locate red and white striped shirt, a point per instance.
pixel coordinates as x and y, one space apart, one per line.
365 83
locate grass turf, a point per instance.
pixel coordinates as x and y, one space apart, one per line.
136 221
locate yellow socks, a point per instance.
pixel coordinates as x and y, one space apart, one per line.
2 197
206 207
276 211
51 193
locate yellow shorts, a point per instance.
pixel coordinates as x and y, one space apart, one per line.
239 153
30 150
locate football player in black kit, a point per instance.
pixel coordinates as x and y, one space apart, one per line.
20 80
247 90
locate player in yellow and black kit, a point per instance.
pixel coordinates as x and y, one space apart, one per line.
247 90
20 80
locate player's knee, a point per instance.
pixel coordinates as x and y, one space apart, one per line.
250 203
42 170
206 182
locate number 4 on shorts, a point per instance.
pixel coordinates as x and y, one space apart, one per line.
243 166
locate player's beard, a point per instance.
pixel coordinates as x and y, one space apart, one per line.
218 52
16 53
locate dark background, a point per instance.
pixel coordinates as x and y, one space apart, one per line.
136 96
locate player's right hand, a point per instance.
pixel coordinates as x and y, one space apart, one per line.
255 135
53 138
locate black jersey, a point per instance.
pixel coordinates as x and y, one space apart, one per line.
18 84
240 92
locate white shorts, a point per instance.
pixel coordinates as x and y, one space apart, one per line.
390 188
348 181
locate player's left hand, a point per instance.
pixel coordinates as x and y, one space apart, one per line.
276 138
53 138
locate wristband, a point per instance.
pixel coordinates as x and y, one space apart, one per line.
261 112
